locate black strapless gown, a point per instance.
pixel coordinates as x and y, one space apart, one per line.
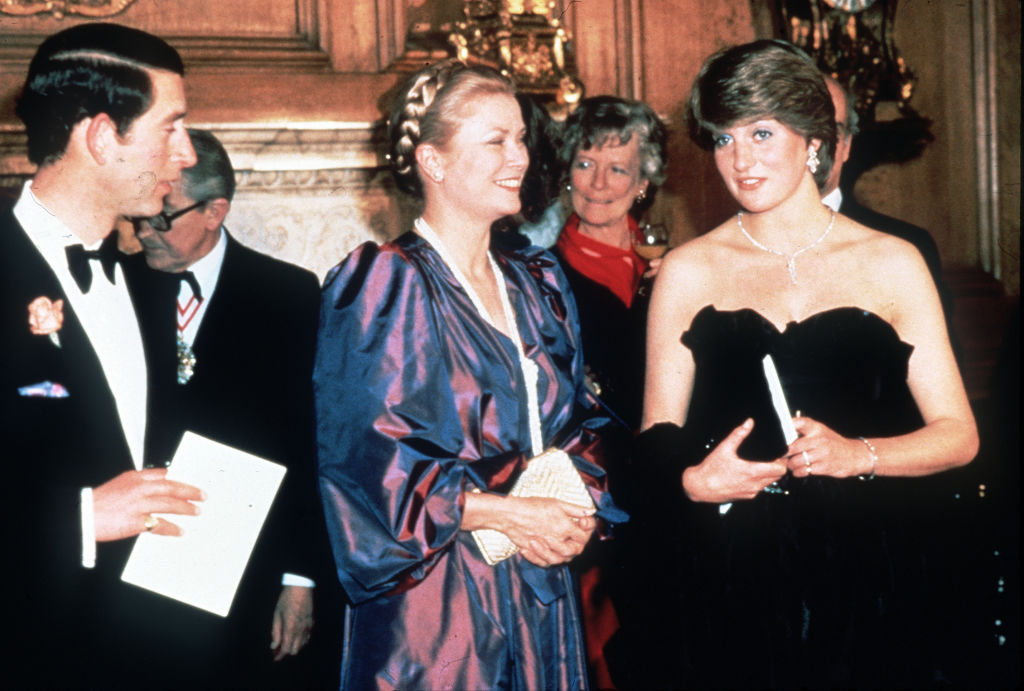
809 587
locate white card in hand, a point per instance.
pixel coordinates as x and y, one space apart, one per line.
779 400
204 566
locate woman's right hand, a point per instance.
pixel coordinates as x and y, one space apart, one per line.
723 476
546 531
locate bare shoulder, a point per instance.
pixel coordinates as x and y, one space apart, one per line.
696 258
887 249
896 282
690 278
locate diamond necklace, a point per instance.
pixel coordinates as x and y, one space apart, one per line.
790 258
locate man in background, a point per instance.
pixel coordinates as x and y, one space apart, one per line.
245 335
103 107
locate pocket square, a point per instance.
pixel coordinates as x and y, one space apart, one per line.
44 389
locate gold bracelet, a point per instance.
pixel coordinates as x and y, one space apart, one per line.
874 460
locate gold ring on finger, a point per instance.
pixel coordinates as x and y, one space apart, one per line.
151 522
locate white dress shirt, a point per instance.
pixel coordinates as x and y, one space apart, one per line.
109 321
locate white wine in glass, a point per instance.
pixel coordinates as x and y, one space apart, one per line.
653 241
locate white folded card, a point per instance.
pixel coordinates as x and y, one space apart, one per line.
204 566
779 400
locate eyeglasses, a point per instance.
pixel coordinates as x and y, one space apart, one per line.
163 220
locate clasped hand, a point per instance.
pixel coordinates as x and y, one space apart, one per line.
122 505
724 477
548 531
818 450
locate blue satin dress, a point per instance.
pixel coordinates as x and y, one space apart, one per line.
418 401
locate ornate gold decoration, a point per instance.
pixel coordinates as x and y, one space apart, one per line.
850 5
525 40
60 8
853 41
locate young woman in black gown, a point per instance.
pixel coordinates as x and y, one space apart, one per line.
787 561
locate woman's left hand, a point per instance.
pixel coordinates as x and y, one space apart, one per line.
819 450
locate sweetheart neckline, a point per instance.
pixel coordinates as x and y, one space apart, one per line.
797 322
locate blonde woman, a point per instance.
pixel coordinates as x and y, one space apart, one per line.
445 363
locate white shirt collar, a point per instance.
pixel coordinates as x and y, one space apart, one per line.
47 231
833 199
207 269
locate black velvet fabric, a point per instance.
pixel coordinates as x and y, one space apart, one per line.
818 586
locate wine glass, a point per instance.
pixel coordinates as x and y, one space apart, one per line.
653 241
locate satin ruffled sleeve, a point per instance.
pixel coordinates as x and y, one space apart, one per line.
390 479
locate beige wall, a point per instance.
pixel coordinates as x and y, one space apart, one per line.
307 82
1008 81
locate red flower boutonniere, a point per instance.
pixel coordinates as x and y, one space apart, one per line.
45 318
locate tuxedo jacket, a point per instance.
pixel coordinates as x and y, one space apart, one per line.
252 390
52 448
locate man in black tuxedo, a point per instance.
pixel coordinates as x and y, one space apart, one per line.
103 107
246 333
839 197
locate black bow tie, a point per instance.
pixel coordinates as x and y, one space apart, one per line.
190 278
78 262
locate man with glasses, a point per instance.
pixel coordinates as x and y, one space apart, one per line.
246 329
103 107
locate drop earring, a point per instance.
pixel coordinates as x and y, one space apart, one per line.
812 160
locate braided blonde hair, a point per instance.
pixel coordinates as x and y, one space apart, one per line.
427 112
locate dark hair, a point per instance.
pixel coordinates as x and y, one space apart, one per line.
426 111
542 180
766 78
86 70
212 177
599 119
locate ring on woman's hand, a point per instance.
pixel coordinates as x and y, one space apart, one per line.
807 462
151 522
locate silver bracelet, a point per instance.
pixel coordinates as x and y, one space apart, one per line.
874 460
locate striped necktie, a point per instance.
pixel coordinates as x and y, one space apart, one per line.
190 296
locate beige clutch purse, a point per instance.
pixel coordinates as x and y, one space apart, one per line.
550 474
